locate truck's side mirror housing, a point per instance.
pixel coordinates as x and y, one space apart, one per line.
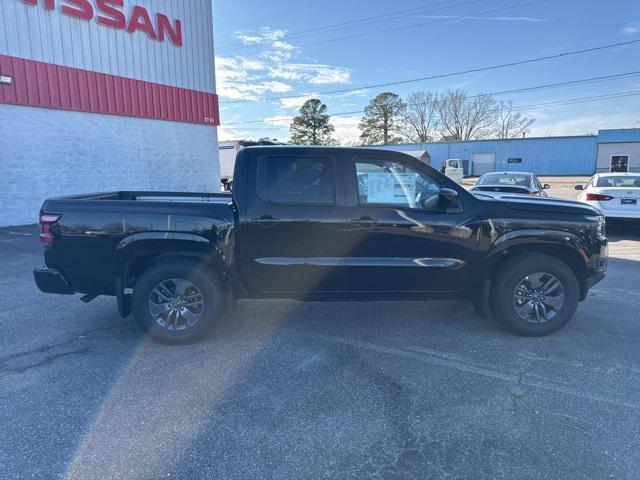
546 186
579 187
449 199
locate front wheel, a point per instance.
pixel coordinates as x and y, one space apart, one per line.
535 294
177 301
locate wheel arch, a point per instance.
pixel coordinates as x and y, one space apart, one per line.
565 247
134 257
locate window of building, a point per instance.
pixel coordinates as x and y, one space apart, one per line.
620 163
514 160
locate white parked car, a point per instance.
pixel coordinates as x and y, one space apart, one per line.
616 195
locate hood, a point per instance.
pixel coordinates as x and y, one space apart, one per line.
544 204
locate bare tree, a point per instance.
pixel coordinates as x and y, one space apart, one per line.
510 124
420 117
466 118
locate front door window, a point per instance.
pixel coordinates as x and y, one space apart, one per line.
388 183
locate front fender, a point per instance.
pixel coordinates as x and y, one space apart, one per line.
536 236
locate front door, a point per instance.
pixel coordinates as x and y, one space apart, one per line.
402 234
293 236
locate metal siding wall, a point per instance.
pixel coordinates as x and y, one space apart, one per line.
33 33
37 84
542 156
621 135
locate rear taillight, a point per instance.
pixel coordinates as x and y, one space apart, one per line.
596 197
46 223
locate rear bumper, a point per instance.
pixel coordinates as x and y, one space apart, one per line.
620 213
49 280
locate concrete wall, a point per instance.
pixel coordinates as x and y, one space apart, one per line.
46 153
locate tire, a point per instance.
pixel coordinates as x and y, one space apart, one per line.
193 292
534 294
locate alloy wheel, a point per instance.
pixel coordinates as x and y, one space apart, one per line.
538 297
176 304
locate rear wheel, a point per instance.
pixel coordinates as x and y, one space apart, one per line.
177 301
535 294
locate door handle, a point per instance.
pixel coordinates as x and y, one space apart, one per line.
265 221
362 222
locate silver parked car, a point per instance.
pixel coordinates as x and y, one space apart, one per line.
519 183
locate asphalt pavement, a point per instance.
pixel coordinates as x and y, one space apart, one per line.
283 389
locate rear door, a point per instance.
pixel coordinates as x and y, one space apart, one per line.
293 236
402 237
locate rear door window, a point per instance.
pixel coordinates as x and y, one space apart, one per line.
294 180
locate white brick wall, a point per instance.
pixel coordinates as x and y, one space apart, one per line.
45 153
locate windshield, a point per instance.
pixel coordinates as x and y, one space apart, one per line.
505 179
619 182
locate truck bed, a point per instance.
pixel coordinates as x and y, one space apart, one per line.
95 233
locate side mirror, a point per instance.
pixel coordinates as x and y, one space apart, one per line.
449 199
449 195
579 187
546 186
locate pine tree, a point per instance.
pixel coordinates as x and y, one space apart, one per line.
382 120
312 126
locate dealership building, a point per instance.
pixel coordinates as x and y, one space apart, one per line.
99 95
609 150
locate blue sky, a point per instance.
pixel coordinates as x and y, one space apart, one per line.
266 49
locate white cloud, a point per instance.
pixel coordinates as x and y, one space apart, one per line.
240 78
249 77
297 102
631 28
346 130
265 35
294 103
279 121
313 73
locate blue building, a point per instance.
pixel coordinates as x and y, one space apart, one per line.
609 150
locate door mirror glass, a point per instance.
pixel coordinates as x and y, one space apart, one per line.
579 187
546 186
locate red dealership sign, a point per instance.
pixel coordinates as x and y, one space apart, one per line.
110 13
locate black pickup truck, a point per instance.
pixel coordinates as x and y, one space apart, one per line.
319 223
